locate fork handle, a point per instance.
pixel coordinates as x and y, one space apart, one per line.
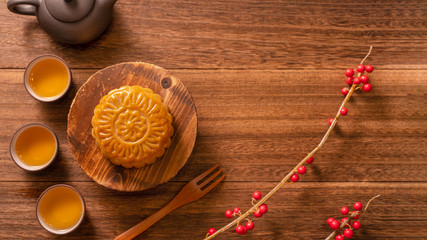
150 221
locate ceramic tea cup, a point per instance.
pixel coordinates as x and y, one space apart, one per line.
47 78
34 146
60 209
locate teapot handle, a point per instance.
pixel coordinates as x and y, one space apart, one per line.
24 7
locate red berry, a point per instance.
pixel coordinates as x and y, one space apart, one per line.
310 160
364 79
344 91
295 178
335 224
349 72
331 120
211 231
357 206
263 208
356 225
349 80
367 87
302 170
339 237
257 195
241 230
369 68
357 80
360 68
250 225
356 217
348 233
343 219
228 213
344 210
343 111
258 213
236 210
330 220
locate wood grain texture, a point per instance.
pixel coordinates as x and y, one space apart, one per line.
235 34
87 153
382 139
264 122
300 209
265 77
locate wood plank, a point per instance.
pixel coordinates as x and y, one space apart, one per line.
263 122
299 209
235 34
265 77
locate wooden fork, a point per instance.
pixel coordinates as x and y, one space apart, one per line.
189 193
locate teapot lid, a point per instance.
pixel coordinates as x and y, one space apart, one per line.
69 10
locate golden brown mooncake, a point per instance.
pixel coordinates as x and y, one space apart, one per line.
132 126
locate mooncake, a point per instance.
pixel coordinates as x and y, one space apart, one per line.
132 126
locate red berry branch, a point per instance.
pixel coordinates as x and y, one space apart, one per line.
259 208
345 222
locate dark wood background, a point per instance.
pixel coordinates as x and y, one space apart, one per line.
265 77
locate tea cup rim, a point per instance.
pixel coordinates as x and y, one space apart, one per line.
31 65
14 138
81 217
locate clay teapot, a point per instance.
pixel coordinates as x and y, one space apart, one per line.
69 21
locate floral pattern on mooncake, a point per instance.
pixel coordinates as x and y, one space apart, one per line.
132 126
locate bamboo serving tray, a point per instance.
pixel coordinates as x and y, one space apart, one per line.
88 155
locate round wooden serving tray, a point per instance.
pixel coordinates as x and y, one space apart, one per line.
88 155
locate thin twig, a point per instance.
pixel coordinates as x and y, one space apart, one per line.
349 219
367 55
295 169
370 202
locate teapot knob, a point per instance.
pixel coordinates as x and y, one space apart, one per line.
69 10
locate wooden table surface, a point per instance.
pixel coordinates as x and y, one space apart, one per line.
265 77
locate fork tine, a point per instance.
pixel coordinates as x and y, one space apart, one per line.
210 178
201 176
206 190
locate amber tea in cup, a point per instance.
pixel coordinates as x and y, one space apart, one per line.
47 78
34 146
60 209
